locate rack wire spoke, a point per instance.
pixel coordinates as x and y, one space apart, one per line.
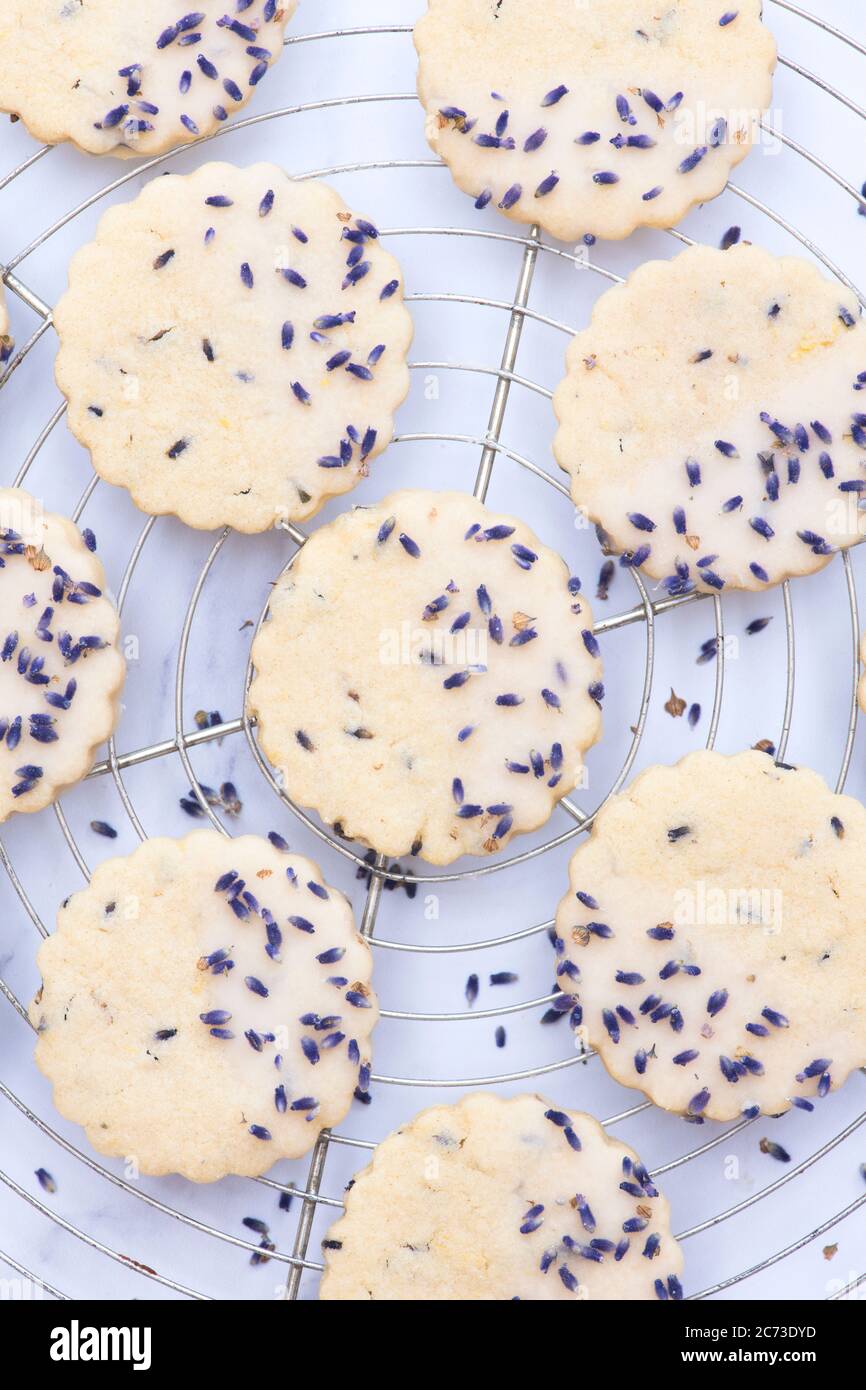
819 23
71 1229
779 1255
33 1280
780 1182
137 1192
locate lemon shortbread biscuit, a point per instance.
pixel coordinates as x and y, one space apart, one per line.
712 419
206 1006
502 1199
129 79
595 117
712 936
428 679
233 346
60 668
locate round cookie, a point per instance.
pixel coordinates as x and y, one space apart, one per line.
61 672
428 680
720 442
134 79
502 1199
712 936
233 346
206 1006
593 118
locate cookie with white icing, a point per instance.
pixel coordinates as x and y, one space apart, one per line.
502 1199
134 79
233 346
712 936
428 680
593 118
713 422
206 1006
61 671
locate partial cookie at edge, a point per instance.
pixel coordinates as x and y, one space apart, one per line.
593 119
7 343
502 1199
138 80
61 670
712 936
719 443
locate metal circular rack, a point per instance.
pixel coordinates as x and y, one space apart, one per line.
644 611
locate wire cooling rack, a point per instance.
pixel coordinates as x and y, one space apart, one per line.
190 605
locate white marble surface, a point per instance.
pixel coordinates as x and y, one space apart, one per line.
442 402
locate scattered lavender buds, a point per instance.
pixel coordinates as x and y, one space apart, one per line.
605 579
769 1146
101 827
208 719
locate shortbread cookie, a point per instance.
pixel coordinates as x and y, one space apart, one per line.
134 79
206 1006
502 1199
233 346
60 668
593 117
712 421
7 344
713 936
428 680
